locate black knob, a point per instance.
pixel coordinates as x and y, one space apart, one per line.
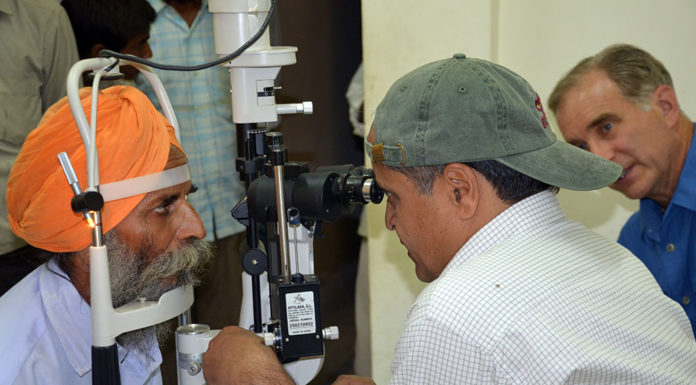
87 201
254 262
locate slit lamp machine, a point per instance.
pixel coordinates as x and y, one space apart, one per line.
280 299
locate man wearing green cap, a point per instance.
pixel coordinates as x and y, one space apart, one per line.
518 293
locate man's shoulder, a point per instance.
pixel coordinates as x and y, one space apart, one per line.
520 273
36 10
26 294
23 326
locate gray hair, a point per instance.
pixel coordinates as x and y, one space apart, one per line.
510 186
635 72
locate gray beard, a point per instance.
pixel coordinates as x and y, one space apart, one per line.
132 277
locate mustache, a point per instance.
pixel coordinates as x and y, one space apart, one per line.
185 266
132 276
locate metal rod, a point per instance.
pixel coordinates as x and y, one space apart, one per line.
97 229
256 293
248 131
64 160
279 174
185 318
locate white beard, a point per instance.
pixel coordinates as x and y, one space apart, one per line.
132 277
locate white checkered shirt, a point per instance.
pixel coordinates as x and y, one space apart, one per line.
533 298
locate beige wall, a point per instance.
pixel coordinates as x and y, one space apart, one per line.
539 39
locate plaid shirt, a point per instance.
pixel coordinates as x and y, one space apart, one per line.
533 298
201 100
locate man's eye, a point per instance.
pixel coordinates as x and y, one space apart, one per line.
164 209
607 127
584 146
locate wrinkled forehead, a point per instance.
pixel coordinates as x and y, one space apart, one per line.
175 172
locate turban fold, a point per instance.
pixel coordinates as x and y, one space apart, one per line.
133 139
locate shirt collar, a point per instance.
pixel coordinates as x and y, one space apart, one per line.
685 194
650 215
539 209
159 5
70 316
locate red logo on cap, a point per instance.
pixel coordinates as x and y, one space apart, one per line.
539 108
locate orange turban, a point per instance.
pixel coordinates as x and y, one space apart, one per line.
133 139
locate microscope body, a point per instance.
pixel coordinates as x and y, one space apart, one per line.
294 332
281 293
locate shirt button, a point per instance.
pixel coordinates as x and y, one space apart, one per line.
686 300
669 247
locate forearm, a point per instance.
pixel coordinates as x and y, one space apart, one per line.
239 357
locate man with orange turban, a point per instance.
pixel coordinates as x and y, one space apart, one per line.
153 236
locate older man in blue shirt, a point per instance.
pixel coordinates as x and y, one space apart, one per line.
620 104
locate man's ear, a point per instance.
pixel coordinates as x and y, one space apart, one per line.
94 51
666 100
462 189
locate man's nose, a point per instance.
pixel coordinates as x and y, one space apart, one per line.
603 149
190 225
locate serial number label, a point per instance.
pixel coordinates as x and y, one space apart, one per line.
301 315
301 324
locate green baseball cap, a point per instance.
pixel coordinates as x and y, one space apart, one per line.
463 110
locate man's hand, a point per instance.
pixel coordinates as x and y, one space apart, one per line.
353 380
238 356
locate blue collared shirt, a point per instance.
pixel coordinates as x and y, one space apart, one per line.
202 103
46 335
666 240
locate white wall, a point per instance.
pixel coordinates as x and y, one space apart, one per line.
540 40
397 37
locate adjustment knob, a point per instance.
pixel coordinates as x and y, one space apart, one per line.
268 338
87 201
330 333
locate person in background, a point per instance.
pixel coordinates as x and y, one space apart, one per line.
122 26
517 293
621 104
154 241
183 34
37 50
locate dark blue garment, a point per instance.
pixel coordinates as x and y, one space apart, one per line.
667 243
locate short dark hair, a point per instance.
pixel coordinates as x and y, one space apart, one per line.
510 186
112 23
